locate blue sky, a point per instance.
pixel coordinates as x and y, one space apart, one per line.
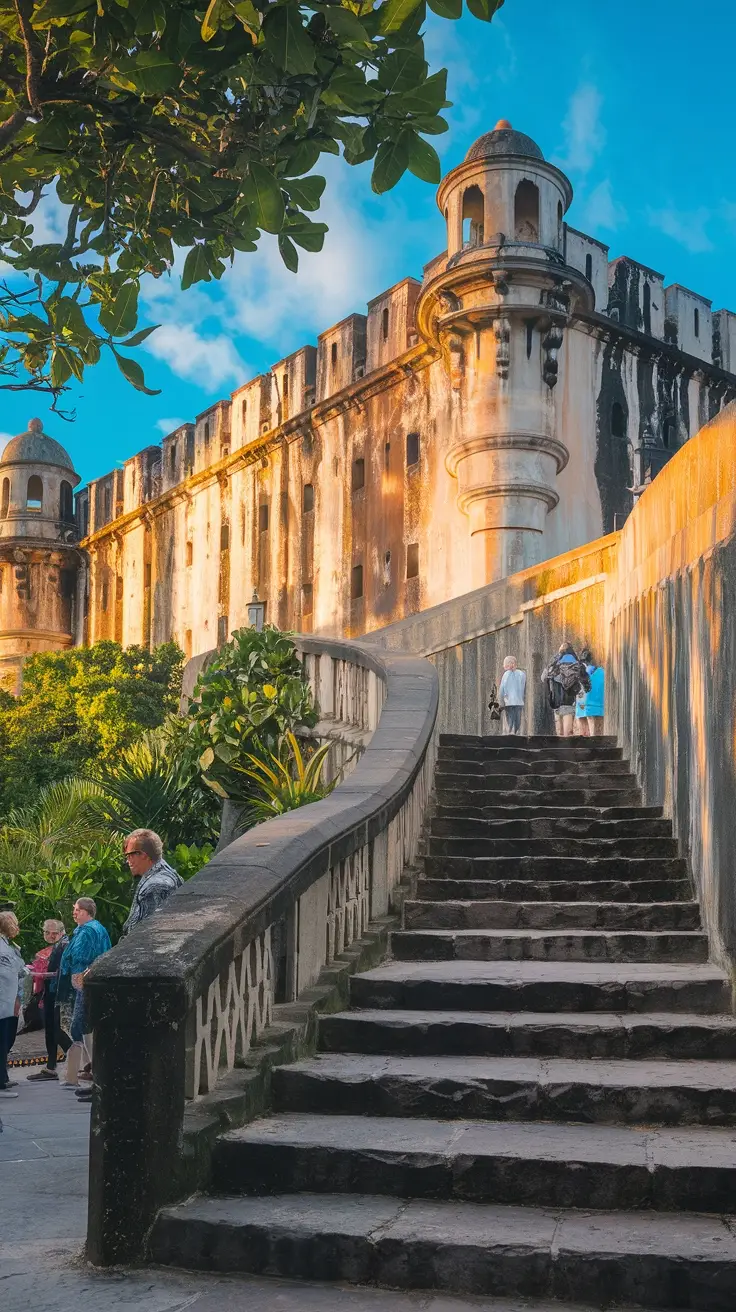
634 100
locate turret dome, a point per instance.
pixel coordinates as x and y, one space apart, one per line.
34 447
503 140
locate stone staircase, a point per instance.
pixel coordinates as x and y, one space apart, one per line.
536 1097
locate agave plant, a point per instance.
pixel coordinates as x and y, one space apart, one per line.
287 779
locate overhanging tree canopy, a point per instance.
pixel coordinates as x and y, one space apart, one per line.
165 124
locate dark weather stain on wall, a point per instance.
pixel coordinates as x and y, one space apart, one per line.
613 460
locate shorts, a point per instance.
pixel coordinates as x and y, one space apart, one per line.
562 711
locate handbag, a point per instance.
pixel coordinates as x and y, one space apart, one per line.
493 704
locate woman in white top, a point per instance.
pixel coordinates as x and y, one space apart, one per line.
12 971
511 693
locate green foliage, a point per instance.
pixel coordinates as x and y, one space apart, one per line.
252 693
287 779
165 125
79 708
151 787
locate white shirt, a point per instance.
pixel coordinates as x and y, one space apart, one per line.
512 689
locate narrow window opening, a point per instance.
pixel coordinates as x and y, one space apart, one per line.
412 560
696 322
668 434
356 582
67 580
358 480
108 503
172 459
119 588
307 598
412 448
589 267
207 431
336 466
263 517
5 504
384 325
473 217
526 212
387 457
34 496
190 452
224 452
333 354
244 412
477 343
618 420
387 570
105 594
188 643
308 497
559 223
66 502
529 338
147 576
223 629
647 309
224 537
190 553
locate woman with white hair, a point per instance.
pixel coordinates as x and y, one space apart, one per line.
511 694
54 933
12 971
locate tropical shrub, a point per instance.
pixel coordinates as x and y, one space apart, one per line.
251 695
289 778
82 708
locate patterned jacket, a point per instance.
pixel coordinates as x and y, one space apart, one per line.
151 893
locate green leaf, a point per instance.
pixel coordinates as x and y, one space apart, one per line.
140 336
310 236
424 162
446 8
307 192
287 41
346 25
392 159
196 267
53 9
64 363
303 157
433 125
265 196
402 70
394 13
484 9
131 370
289 253
428 98
122 316
149 72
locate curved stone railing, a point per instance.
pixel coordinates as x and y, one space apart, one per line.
184 997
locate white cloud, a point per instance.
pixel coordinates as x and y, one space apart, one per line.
601 210
585 136
167 426
210 362
688 227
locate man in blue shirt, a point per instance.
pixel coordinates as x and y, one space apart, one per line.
88 942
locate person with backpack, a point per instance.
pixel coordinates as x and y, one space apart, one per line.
565 677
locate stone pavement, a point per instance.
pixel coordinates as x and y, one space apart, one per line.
43 1203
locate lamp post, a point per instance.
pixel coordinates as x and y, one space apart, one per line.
256 613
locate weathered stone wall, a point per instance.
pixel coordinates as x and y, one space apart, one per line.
672 604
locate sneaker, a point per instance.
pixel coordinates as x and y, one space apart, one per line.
84 1096
68 1084
7 1092
44 1074
10 1084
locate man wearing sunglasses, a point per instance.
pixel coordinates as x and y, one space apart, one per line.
155 879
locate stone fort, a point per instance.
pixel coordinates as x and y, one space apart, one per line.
508 407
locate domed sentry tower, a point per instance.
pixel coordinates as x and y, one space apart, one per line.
39 558
497 308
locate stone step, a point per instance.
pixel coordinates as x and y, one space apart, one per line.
554 786
656 1036
510 1089
518 767
476 795
551 915
665 1260
511 1163
528 890
567 825
463 811
531 740
572 868
517 749
543 986
548 945
565 847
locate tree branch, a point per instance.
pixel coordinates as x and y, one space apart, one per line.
12 126
34 53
